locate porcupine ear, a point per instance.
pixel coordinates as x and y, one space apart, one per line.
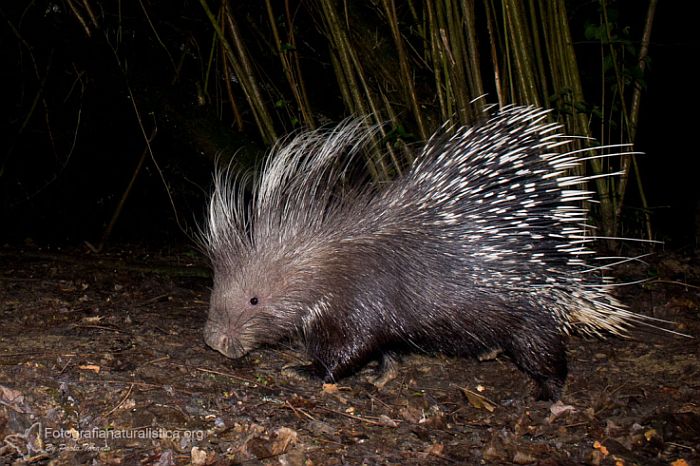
300 186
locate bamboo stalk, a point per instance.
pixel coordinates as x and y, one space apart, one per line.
455 44
407 83
632 128
437 59
493 38
357 93
237 118
476 84
125 195
246 75
289 72
606 199
535 25
244 72
299 78
339 41
521 52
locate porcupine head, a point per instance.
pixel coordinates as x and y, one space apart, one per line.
479 247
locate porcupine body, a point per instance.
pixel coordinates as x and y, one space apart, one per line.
479 247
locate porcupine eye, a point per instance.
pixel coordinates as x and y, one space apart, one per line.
254 300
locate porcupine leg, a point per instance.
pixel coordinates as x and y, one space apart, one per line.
542 357
387 370
331 371
336 348
333 361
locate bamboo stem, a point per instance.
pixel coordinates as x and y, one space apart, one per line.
407 85
244 72
289 72
476 84
632 128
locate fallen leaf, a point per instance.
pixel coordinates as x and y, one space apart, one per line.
479 401
330 388
411 414
199 456
90 367
436 449
601 448
523 458
91 320
10 396
284 437
559 409
387 421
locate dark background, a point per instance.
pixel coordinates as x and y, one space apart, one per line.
670 168
62 186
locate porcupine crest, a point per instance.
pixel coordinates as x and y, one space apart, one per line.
266 253
480 246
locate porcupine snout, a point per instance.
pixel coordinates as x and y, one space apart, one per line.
217 338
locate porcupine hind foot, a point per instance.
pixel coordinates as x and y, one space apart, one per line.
386 371
542 357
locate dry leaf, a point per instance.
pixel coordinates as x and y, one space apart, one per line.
436 449
601 448
330 388
199 457
91 320
680 462
559 409
387 421
90 367
284 438
523 458
479 401
10 396
411 414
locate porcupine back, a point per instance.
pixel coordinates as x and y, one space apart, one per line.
479 247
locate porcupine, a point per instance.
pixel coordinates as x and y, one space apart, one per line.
478 247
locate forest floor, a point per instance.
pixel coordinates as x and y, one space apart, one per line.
102 361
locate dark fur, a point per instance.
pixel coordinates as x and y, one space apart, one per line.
391 310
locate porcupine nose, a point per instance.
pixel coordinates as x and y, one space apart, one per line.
222 343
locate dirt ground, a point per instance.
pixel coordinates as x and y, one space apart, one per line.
102 361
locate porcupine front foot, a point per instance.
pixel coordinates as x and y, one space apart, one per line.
386 371
333 359
338 348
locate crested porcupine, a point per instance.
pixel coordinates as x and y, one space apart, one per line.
479 247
